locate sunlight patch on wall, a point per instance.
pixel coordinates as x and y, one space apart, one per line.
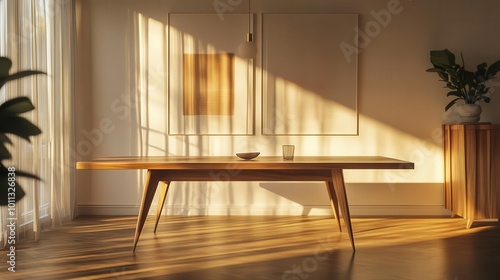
151 82
297 110
377 138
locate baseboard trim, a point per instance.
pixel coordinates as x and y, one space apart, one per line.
251 210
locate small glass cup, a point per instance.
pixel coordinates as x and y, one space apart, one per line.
288 152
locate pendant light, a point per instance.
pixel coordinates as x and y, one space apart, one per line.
248 49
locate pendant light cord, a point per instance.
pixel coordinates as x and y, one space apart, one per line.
249 16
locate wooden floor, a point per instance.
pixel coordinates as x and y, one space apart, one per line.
241 247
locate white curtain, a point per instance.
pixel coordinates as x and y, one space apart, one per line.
39 35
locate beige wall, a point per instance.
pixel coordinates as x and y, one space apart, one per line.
400 107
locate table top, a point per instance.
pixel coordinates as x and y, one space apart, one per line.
233 162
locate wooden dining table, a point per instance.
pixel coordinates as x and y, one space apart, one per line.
163 170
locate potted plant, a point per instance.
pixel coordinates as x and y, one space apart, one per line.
465 86
12 123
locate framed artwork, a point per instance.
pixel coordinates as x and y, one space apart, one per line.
309 74
210 86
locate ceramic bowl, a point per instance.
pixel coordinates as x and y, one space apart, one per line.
247 156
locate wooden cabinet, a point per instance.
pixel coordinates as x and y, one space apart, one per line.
472 170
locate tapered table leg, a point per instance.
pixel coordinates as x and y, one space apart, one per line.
469 223
339 186
333 202
161 200
150 186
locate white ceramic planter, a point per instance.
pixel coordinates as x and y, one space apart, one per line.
469 112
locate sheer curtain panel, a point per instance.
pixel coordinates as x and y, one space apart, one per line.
39 35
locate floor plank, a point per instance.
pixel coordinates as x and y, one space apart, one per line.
268 247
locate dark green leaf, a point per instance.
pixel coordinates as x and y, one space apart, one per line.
485 98
22 74
5 189
5 139
443 58
480 89
5 65
19 173
455 81
455 93
443 76
455 73
435 69
480 75
466 76
19 126
4 152
493 69
451 104
16 106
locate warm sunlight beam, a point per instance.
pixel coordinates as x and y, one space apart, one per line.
292 109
